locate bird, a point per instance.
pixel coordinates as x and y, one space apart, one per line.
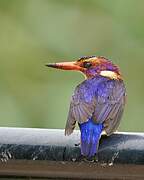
98 102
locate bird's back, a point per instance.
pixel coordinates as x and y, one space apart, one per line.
99 98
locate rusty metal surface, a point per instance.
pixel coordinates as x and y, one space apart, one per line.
71 170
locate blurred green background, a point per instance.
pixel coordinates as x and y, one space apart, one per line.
34 32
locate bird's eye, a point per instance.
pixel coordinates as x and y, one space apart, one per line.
87 64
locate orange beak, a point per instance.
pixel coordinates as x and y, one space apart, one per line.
65 66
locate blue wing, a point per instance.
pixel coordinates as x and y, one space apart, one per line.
82 106
111 96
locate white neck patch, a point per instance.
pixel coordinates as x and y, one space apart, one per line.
109 74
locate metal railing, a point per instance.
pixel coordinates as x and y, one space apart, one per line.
29 152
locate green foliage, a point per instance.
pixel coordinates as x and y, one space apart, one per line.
33 33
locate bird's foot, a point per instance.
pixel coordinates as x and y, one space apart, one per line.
89 159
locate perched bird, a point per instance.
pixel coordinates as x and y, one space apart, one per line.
97 103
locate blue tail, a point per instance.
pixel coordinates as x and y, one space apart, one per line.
90 135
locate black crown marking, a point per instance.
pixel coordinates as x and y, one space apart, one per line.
85 57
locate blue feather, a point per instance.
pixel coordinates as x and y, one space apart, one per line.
90 135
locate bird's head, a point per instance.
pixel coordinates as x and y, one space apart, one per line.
90 66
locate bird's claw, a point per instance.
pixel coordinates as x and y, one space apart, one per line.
89 159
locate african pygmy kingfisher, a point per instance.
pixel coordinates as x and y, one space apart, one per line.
98 102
